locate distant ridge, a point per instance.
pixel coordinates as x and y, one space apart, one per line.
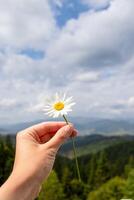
92 144
86 126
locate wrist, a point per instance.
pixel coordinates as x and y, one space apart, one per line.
19 187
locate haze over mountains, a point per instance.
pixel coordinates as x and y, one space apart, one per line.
98 134
86 126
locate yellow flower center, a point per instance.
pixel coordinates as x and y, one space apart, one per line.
59 106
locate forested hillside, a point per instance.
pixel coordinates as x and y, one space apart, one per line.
93 144
107 174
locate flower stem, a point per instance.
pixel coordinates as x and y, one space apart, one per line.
74 151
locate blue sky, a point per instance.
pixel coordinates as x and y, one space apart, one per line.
32 53
72 9
69 10
84 48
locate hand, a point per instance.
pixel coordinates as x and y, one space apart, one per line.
36 148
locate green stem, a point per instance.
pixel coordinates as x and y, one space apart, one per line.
74 151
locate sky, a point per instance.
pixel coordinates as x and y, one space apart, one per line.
84 48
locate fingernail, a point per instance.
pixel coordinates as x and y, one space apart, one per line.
68 129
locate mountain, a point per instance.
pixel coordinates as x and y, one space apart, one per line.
14 128
92 144
114 160
3 131
85 126
104 126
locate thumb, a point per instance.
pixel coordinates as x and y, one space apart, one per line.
60 137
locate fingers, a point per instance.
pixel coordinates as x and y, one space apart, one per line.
61 136
45 138
45 128
45 131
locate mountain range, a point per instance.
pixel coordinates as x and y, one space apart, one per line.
92 144
85 126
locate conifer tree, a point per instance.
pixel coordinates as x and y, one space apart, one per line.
91 171
79 190
111 190
102 171
129 190
129 166
52 189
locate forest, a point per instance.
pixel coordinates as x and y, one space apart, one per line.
107 174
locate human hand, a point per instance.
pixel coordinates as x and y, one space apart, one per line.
36 149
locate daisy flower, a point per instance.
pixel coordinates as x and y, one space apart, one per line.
59 105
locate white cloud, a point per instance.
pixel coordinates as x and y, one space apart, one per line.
131 101
26 23
96 40
7 103
87 76
91 58
36 108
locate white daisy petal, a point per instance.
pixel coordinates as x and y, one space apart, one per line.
58 105
64 97
71 104
46 109
55 115
50 115
51 111
57 97
68 100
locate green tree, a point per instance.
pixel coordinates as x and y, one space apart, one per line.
129 166
91 171
6 158
73 189
66 176
129 190
79 190
102 172
112 190
52 189
66 179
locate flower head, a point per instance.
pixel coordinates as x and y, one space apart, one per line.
58 105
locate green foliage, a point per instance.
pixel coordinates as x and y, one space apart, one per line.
112 190
52 189
93 143
94 148
61 164
129 166
72 187
98 172
129 190
102 170
78 190
6 158
91 171
116 157
66 179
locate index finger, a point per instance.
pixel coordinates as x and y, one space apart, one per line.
44 128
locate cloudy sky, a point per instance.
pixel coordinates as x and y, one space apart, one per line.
82 47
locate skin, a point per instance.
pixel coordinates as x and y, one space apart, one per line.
36 148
